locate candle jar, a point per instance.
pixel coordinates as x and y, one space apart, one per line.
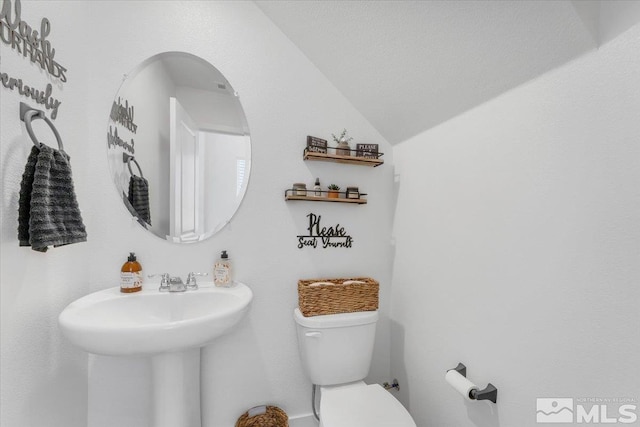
299 189
353 193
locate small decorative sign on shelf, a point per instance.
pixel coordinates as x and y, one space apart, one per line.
369 151
316 145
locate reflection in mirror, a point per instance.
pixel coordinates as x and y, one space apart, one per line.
179 148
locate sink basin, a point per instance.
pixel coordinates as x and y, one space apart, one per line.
168 327
150 322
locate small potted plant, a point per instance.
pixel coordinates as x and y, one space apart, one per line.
334 191
343 140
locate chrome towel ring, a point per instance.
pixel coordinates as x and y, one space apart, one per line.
27 114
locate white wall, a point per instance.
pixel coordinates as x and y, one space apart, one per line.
615 17
44 378
517 242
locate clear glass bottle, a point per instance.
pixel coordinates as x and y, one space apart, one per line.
299 189
317 190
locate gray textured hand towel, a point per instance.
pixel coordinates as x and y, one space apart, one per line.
139 197
48 212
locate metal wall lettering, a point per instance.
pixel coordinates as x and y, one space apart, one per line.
19 35
326 237
39 96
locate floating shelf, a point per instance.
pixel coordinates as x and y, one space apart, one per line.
291 195
352 160
360 201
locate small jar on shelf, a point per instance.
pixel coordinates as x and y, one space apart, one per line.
299 189
353 193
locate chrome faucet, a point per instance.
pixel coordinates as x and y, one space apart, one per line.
170 284
175 284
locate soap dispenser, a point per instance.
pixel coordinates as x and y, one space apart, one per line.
222 271
131 275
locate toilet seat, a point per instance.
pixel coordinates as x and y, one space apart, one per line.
362 406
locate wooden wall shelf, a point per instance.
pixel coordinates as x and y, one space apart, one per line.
291 195
352 160
360 201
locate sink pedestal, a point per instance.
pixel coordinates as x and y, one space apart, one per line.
176 389
169 327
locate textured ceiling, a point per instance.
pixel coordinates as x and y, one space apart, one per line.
410 65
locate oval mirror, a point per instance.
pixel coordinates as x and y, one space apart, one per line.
179 148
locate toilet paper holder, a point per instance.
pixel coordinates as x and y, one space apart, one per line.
490 392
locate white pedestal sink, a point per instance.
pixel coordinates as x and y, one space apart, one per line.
169 327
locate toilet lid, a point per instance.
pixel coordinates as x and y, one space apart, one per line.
365 406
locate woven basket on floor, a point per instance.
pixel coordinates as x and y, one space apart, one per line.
337 298
273 417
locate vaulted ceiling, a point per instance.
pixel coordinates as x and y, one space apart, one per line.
409 65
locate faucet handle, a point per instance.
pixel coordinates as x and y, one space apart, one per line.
164 281
191 280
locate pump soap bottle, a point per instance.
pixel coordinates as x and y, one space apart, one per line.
131 275
222 271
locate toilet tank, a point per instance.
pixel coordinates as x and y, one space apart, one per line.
336 348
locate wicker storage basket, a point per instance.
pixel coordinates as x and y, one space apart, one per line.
273 417
328 299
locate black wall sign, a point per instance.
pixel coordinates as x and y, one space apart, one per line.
367 150
325 237
316 145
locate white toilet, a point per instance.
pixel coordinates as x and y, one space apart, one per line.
336 353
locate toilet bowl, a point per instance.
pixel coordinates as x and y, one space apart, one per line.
361 405
336 352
